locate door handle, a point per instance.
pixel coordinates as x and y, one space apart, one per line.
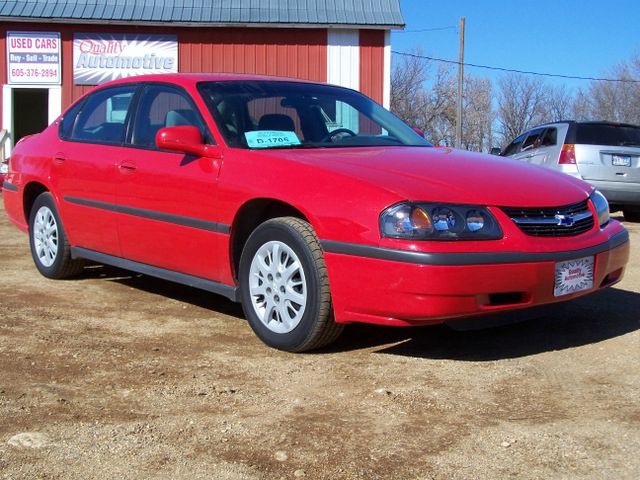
59 158
127 166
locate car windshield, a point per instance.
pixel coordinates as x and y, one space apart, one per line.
610 135
262 114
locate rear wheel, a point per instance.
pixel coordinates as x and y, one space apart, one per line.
631 214
49 247
284 287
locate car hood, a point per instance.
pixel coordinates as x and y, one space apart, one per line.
445 175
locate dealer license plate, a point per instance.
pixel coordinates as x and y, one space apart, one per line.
621 160
573 276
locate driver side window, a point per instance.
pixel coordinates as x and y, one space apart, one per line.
514 147
162 106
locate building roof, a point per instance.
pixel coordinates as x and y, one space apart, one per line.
297 13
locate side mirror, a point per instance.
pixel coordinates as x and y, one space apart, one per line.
418 131
495 151
185 139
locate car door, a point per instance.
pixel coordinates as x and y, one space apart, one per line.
550 146
84 167
167 200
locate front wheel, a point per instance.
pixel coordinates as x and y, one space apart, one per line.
284 286
49 247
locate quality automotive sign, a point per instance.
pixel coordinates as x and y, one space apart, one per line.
98 58
33 58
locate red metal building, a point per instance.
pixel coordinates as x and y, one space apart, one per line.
51 52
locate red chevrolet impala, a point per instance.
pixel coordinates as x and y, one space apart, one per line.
309 203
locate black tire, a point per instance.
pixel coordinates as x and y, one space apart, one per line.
56 265
631 214
315 327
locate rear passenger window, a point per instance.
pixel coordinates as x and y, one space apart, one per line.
103 116
162 106
532 140
549 138
67 122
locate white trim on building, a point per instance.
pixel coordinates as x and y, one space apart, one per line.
386 88
343 58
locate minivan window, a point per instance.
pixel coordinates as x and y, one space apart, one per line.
532 139
549 138
103 115
514 147
608 134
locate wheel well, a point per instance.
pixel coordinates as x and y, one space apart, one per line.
252 214
31 192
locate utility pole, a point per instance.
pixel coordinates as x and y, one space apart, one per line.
460 86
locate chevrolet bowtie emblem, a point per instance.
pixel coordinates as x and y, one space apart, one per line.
565 220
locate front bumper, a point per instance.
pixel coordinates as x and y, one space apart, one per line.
392 287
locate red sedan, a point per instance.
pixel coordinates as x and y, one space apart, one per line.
309 203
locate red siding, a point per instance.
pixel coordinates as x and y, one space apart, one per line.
372 64
286 52
299 53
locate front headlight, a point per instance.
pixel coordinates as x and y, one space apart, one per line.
602 207
435 221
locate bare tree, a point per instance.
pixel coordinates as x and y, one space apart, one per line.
408 98
442 108
426 99
478 115
521 104
581 107
612 101
558 104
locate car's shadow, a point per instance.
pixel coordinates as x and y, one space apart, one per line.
165 288
596 318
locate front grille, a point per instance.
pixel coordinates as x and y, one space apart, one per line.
566 221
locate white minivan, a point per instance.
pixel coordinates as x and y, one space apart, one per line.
605 154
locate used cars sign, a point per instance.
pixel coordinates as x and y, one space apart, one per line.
98 58
33 58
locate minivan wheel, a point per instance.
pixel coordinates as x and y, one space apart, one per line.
284 286
631 214
49 247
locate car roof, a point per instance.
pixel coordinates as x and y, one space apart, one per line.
591 122
185 79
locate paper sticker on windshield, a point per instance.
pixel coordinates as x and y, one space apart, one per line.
271 138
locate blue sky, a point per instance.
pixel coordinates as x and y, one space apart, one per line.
570 37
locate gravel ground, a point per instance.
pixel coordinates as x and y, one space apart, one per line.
118 375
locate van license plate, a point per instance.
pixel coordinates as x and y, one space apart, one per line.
573 276
621 160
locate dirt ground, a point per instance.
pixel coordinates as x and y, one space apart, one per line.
115 375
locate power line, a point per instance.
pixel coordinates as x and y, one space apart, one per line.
439 29
501 69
